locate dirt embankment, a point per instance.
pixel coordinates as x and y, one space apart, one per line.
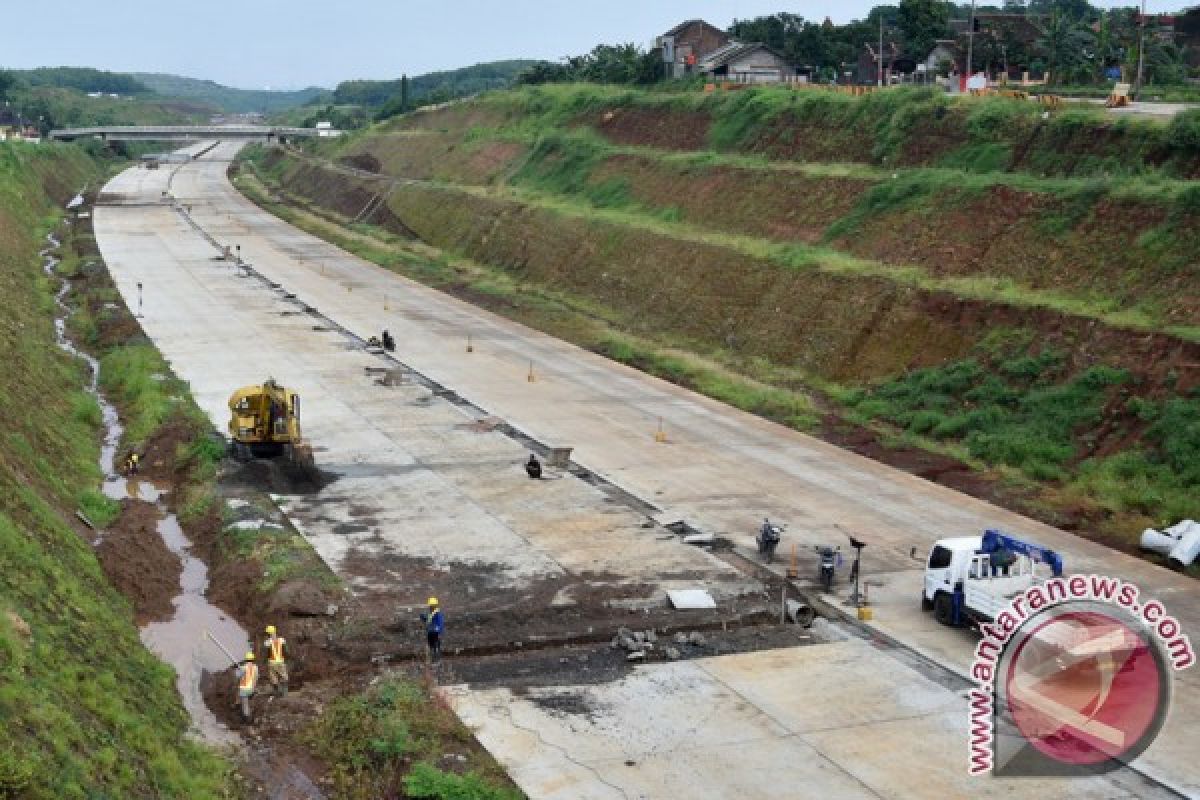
137 562
846 327
435 155
662 128
785 206
1136 253
914 131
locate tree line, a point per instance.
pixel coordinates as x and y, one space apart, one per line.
1074 41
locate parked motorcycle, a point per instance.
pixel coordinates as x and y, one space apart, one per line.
768 538
829 559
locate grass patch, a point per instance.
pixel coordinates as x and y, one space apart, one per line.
282 552
788 406
1022 408
137 378
390 736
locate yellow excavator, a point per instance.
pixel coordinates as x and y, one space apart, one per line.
264 422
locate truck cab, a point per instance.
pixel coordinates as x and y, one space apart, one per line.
947 567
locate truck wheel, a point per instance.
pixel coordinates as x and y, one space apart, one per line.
926 603
943 609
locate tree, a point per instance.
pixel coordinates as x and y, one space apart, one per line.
621 63
1071 9
1065 45
544 72
1165 63
7 81
922 22
404 92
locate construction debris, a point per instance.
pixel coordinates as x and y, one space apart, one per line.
691 598
1180 543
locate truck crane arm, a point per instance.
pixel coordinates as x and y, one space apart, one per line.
995 540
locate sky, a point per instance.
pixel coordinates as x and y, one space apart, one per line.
288 44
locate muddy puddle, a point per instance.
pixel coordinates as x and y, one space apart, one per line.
181 641
184 640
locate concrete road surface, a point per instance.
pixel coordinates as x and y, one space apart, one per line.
721 470
838 720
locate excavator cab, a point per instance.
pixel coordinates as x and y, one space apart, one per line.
264 422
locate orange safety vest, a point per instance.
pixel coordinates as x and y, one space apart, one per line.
249 676
275 643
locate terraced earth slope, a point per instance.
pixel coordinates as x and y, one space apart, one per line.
1001 300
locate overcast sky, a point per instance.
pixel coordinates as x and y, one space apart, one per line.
296 43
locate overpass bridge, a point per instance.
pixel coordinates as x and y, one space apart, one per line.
189 133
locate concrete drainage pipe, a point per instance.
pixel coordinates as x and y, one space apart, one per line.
1180 543
801 613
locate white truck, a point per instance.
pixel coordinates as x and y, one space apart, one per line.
971 579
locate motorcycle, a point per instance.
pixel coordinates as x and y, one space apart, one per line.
830 559
768 539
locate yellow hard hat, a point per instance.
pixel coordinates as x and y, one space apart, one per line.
271 629
250 656
433 601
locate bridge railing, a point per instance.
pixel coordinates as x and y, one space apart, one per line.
184 131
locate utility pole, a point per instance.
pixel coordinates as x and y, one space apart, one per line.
971 43
880 76
1137 84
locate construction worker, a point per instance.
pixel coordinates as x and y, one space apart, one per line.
247 674
277 674
435 626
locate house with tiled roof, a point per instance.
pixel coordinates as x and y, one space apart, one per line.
687 44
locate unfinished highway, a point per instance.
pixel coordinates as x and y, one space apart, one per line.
443 486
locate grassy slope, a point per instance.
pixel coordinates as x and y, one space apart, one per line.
87 711
1112 238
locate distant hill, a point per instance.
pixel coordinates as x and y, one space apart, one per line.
83 79
225 97
445 85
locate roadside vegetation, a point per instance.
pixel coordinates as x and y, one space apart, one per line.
87 710
401 738
1020 406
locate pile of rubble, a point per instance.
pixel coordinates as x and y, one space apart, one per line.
637 644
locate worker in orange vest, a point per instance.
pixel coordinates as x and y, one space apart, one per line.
277 674
247 675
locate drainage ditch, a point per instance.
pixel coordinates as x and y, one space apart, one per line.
178 641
